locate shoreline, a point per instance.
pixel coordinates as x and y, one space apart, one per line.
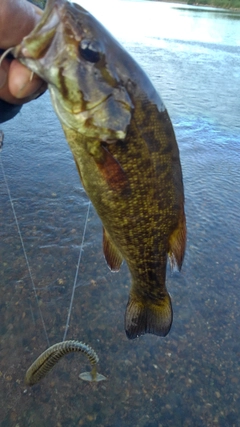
199 5
41 4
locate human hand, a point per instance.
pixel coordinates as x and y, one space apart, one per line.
17 19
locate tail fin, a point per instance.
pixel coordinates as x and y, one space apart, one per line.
148 317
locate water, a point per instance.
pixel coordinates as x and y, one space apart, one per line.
191 377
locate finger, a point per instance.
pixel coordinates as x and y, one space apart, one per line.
16 86
22 83
18 14
20 86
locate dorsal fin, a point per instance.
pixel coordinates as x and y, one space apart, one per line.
113 257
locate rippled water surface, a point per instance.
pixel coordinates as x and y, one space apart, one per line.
191 377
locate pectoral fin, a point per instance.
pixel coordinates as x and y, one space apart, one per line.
109 168
112 255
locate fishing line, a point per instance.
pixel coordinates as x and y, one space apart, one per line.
28 265
76 275
24 251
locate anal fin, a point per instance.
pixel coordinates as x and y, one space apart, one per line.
113 257
177 243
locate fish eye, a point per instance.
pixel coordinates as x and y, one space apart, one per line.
90 50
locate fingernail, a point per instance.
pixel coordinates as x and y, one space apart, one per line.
3 77
30 88
23 86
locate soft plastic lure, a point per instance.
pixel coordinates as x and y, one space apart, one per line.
53 354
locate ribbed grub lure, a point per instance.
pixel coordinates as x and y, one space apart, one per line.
48 359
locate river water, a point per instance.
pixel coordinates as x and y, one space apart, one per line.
191 377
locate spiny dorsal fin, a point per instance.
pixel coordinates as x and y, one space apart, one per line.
113 257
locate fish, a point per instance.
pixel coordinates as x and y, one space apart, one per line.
125 150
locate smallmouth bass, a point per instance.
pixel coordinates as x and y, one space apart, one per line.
125 150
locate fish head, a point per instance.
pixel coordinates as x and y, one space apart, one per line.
74 54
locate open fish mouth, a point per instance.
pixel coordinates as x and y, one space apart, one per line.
36 44
86 90
52 54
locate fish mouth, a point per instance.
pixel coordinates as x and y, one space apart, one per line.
35 45
82 100
39 50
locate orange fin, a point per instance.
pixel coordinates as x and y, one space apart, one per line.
113 257
112 171
148 318
177 243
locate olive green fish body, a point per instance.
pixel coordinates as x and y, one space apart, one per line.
139 215
125 150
